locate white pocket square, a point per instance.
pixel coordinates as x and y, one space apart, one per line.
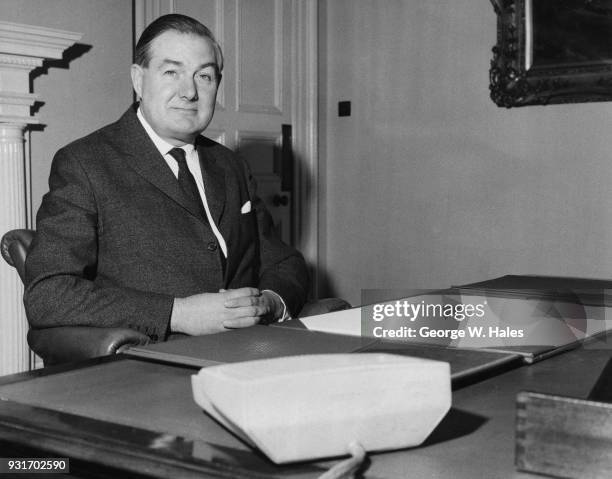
246 208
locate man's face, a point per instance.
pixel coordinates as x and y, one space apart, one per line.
178 88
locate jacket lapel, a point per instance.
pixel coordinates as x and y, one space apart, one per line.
146 159
214 180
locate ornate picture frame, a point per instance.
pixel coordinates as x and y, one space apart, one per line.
551 52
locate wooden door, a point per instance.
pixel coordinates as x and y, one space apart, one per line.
254 100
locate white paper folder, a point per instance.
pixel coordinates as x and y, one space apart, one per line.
313 406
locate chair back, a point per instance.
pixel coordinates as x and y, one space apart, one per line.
15 246
62 344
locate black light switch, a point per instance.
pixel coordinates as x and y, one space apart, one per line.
344 108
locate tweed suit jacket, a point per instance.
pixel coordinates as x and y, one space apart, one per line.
117 241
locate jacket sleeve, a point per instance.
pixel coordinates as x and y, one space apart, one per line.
62 287
283 269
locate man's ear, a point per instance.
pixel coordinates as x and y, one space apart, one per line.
137 73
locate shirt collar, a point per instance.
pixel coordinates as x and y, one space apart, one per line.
162 145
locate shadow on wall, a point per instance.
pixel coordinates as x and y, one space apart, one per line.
75 51
326 286
275 167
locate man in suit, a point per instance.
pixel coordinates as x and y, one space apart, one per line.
151 226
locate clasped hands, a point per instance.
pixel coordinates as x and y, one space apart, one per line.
207 313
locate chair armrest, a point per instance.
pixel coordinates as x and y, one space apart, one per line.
75 343
322 306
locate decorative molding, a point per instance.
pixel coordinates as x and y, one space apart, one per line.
31 41
13 105
257 135
305 112
23 48
220 21
15 61
11 135
270 110
272 137
21 121
220 36
17 98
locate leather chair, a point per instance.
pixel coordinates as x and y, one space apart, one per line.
73 343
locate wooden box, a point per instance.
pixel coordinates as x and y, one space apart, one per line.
563 437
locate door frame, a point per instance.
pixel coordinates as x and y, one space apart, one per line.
304 112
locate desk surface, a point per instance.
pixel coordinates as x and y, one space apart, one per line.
147 405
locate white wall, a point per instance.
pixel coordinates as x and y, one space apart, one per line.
93 90
429 183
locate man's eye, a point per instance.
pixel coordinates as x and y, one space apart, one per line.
170 73
207 76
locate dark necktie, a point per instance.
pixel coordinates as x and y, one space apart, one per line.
187 181
190 189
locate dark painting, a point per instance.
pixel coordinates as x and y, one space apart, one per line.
571 32
551 51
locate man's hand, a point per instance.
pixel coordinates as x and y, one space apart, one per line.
208 313
267 303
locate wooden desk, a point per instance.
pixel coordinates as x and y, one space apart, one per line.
129 415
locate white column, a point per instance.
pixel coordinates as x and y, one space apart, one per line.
22 48
14 353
